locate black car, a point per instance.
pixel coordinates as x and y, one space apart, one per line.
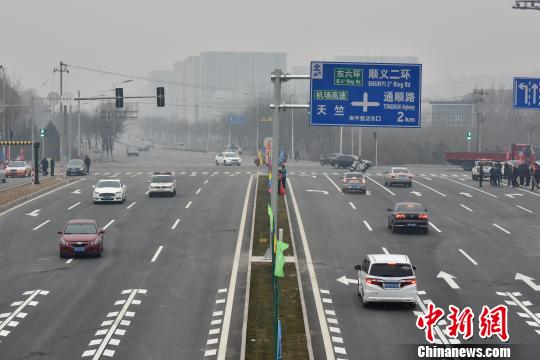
408 215
75 167
328 159
343 161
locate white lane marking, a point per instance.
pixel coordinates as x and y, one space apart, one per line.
352 205
430 188
39 197
433 226
423 175
157 253
72 206
234 274
211 352
133 175
175 224
329 351
471 187
524 209
223 290
21 305
468 256
528 191
428 178
385 250
381 186
466 208
333 183
182 173
449 279
140 173
109 224
523 305
69 261
96 173
198 191
100 351
130 205
379 174
42 224
367 225
188 204
78 191
129 173
106 173
502 229
205 181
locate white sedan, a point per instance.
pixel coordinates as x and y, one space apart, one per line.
228 158
109 191
18 168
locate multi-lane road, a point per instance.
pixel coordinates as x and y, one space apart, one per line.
172 280
482 237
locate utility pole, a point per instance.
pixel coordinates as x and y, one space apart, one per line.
62 69
32 115
376 148
292 133
79 125
360 143
478 97
352 141
4 108
341 139
257 141
70 125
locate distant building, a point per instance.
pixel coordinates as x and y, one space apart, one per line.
454 113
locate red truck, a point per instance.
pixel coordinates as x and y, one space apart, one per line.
521 152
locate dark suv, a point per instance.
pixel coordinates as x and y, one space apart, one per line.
343 161
328 159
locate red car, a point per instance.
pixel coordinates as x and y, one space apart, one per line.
81 237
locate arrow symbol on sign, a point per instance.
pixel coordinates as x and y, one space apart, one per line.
528 280
78 191
513 195
534 88
465 194
319 191
416 193
449 279
346 281
525 88
34 213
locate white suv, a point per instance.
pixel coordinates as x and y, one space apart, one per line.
387 278
486 166
227 158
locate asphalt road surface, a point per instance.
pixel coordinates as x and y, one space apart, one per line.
170 284
482 237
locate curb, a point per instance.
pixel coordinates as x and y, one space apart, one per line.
32 195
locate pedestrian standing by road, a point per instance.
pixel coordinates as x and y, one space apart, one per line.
284 177
508 173
492 180
499 174
522 174
527 172
44 166
480 175
52 166
533 176
87 162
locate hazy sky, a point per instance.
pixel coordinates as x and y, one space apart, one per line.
451 38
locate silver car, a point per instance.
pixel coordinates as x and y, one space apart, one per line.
2 175
398 176
353 181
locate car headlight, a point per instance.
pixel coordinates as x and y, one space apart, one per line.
118 193
96 193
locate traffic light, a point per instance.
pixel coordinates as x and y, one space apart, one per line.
160 96
469 135
42 132
119 93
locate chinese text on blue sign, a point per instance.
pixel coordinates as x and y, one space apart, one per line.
365 94
527 93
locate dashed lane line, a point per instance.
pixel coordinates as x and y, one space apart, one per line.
381 186
109 224
524 209
434 227
385 250
205 181
468 257
471 187
18 313
502 229
131 205
158 251
466 208
198 191
367 225
352 205
333 183
69 261
175 224
430 188
41 225
189 204
74 205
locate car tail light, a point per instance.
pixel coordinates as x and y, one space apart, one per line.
363 181
410 176
373 281
408 282
423 216
393 177
400 216
344 180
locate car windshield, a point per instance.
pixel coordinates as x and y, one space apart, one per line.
75 163
108 183
80 229
162 179
410 207
354 176
400 170
229 155
391 270
17 164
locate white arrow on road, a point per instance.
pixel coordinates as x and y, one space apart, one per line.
416 193
346 281
513 195
78 191
528 280
449 279
368 193
466 194
34 213
319 191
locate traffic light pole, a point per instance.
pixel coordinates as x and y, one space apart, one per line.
36 163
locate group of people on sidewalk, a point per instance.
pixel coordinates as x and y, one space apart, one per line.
45 165
516 174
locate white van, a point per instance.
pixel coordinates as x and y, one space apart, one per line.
181 146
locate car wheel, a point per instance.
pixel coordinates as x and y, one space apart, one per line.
412 306
217 164
238 164
343 191
394 229
62 255
322 164
389 184
426 231
336 166
149 194
410 185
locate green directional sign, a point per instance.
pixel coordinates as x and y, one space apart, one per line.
348 77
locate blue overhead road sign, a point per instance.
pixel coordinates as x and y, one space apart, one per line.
527 93
237 120
365 94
